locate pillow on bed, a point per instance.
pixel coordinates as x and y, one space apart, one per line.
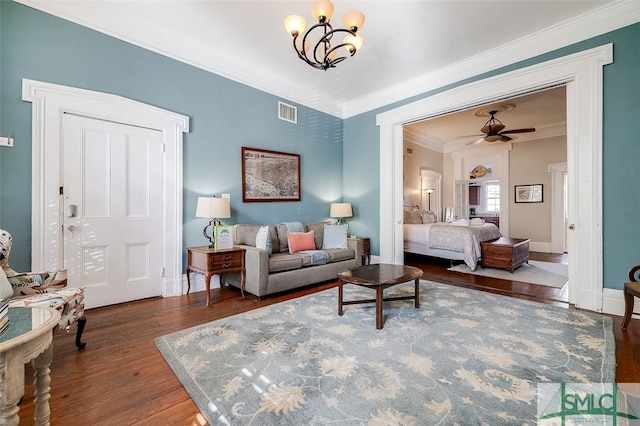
428 216
299 241
412 217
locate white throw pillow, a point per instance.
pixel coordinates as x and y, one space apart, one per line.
428 216
263 239
335 237
6 291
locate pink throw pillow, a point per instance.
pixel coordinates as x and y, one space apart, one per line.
299 241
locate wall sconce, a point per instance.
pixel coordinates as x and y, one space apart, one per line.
340 211
214 209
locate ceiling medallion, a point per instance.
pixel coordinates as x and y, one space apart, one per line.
324 55
486 111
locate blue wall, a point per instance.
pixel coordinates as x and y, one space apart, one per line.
224 116
621 151
227 115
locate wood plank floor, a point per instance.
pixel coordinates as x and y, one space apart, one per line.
121 378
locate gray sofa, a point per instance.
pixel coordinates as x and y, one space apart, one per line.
284 271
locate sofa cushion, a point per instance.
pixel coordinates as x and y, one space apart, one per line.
318 229
245 235
263 239
299 241
335 237
338 255
281 262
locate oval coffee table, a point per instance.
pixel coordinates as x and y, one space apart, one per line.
379 277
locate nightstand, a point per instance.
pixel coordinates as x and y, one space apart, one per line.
208 262
364 247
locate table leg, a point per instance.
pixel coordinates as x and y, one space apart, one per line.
41 384
379 301
207 278
188 280
242 278
417 292
340 297
12 389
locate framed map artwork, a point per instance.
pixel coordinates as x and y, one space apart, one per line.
270 175
528 193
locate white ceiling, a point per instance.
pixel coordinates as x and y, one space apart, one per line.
405 42
546 111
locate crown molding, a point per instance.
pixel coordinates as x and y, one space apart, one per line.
613 16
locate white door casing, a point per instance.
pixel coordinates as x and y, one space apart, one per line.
112 199
558 224
582 73
49 103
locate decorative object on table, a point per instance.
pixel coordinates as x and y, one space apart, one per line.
463 355
528 193
223 236
323 55
270 175
340 211
214 209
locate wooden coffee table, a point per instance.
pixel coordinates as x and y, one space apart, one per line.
379 277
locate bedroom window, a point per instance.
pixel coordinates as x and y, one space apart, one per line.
492 199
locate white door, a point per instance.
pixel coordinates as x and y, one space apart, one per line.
113 208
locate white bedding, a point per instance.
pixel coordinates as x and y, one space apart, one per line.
449 241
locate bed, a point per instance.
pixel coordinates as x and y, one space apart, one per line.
454 241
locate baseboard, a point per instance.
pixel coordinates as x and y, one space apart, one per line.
539 247
197 283
612 301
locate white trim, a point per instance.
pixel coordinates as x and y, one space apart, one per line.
557 207
49 103
613 301
582 74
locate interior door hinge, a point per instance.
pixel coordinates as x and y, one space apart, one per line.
163 272
62 190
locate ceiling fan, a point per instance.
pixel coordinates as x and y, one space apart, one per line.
493 130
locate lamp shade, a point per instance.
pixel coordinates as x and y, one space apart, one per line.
212 207
341 210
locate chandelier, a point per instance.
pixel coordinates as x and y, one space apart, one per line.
324 55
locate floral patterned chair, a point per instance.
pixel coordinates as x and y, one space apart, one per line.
42 289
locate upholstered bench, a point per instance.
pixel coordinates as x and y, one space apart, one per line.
47 289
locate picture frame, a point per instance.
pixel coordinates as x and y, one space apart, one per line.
223 236
270 175
528 193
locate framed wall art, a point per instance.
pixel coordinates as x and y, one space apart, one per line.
528 193
270 175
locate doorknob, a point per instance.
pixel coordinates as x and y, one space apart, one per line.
572 226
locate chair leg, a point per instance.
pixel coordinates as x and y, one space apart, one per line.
628 309
81 322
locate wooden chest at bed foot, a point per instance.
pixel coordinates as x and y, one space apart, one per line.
504 253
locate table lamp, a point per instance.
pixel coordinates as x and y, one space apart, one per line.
214 209
340 211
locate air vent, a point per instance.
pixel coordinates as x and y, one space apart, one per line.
409 151
287 112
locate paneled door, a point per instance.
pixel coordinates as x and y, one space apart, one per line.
113 209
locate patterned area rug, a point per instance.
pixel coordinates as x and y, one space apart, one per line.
542 273
464 357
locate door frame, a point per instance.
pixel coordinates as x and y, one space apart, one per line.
49 103
582 73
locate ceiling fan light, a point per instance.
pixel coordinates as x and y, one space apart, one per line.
492 138
321 8
295 24
353 20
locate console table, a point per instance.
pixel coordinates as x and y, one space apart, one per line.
209 261
28 338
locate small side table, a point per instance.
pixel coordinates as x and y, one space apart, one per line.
364 246
28 338
209 261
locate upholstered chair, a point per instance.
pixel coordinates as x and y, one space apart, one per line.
48 289
631 290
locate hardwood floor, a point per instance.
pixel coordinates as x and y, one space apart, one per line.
121 378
